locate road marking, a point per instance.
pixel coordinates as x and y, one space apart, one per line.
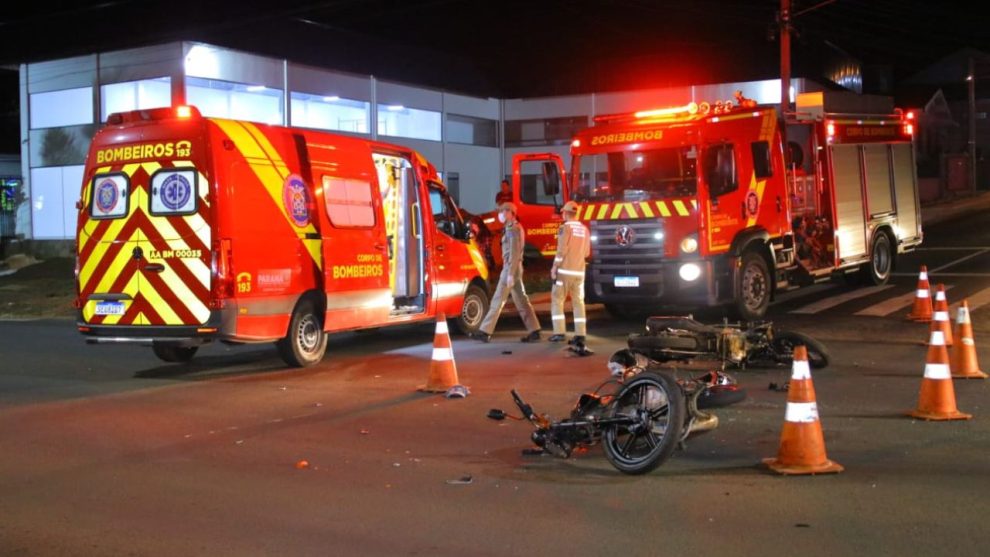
802 292
827 303
891 305
953 248
981 298
984 275
960 260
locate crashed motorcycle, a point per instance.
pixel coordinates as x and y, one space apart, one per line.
639 417
756 344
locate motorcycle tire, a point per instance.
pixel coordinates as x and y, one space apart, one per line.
785 341
642 447
720 396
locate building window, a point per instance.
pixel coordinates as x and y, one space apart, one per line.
349 202
550 131
54 192
472 131
135 95
69 107
238 101
398 121
328 112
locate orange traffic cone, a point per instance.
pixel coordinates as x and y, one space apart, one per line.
964 364
940 318
802 444
443 371
937 400
922 311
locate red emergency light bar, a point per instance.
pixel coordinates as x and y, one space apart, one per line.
184 112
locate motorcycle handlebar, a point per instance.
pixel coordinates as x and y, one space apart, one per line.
527 410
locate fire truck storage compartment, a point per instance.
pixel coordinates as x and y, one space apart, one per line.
850 218
905 190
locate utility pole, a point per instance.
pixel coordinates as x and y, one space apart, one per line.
785 58
971 83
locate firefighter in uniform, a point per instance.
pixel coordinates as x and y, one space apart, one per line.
510 280
567 273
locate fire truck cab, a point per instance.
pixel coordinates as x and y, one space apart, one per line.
193 229
702 204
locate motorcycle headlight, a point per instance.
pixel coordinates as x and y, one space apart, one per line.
689 244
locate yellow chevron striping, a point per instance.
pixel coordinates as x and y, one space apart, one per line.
681 208
615 211
601 211
694 203
268 148
631 210
164 310
662 207
645 207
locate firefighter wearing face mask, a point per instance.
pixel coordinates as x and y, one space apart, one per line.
510 281
567 273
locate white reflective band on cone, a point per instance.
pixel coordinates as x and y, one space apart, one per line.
940 296
922 293
968 341
801 370
962 316
801 412
938 338
556 317
442 354
937 371
941 316
442 327
923 276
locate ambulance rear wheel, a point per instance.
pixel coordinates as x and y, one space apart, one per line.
172 352
473 311
305 343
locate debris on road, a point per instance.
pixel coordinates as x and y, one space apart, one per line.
463 480
301 464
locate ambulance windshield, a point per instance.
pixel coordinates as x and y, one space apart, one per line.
636 175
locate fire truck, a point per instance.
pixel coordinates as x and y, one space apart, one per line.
725 204
195 229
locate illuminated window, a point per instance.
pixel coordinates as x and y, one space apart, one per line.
54 192
550 131
329 112
69 107
238 101
399 121
135 95
349 202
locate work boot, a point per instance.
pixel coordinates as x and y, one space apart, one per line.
482 336
578 339
557 338
533 336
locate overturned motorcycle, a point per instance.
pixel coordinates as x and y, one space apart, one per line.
757 344
647 414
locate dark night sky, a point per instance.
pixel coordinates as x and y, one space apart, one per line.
510 48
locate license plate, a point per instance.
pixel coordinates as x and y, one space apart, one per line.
110 308
626 282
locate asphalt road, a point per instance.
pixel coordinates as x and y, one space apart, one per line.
106 451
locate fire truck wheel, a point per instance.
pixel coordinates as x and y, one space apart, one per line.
474 310
305 343
753 288
172 352
877 271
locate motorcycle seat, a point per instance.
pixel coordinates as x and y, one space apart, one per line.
659 323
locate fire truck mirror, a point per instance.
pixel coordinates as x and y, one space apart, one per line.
719 166
551 178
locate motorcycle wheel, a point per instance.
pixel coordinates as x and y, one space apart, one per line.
658 404
785 341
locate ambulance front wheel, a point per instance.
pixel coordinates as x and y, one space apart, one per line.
473 311
167 352
305 343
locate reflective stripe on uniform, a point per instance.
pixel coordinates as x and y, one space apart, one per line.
570 273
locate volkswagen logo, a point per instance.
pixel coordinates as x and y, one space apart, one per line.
625 236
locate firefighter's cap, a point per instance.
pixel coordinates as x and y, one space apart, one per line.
570 207
507 206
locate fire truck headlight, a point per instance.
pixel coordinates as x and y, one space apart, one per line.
594 238
689 244
690 272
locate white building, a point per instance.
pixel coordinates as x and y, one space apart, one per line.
470 140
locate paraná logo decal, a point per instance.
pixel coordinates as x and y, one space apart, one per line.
296 200
752 203
106 196
175 192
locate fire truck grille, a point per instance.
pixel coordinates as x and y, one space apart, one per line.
636 243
